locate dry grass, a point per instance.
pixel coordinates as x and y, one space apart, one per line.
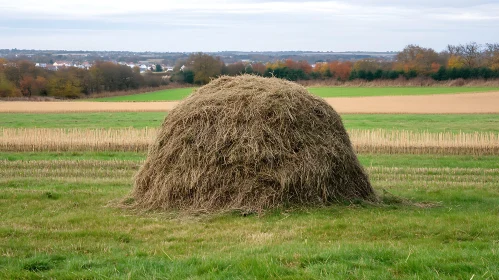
463 103
54 139
409 142
138 140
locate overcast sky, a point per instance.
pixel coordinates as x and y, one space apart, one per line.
261 25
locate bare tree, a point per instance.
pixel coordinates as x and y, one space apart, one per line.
492 55
471 53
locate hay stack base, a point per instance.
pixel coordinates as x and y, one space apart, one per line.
250 143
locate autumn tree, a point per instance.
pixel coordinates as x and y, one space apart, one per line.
204 67
7 88
340 70
322 68
258 68
237 68
276 64
13 74
368 64
455 61
416 58
295 65
305 66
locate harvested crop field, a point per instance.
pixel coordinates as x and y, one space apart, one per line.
465 103
138 140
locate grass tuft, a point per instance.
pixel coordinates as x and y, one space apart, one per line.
51 195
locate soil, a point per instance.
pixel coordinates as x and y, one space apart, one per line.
464 103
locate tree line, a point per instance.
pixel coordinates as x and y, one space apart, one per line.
24 79
468 61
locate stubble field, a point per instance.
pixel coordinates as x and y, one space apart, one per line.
437 175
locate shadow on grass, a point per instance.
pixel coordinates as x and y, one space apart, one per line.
384 200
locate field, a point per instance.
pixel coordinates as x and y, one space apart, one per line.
162 95
392 91
410 122
177 94
62 173
463 103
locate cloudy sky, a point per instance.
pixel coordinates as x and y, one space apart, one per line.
260 25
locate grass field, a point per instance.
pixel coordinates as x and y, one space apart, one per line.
432 123
412 161
438 220
178 94
163 95
57 223
391 91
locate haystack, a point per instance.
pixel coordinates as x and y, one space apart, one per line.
250 143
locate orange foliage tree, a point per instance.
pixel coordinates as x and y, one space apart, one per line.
340 70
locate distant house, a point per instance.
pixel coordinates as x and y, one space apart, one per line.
41 65
62 64
143 68
86 65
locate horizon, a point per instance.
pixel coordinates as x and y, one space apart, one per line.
230 51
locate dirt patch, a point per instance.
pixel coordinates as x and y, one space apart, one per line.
463 103
467 103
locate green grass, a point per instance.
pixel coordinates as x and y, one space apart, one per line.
82 120
63 227
162 95
385 91
431 123
178 94
25 156
395 160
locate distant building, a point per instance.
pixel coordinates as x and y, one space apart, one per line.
62 64
86 65
143 68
